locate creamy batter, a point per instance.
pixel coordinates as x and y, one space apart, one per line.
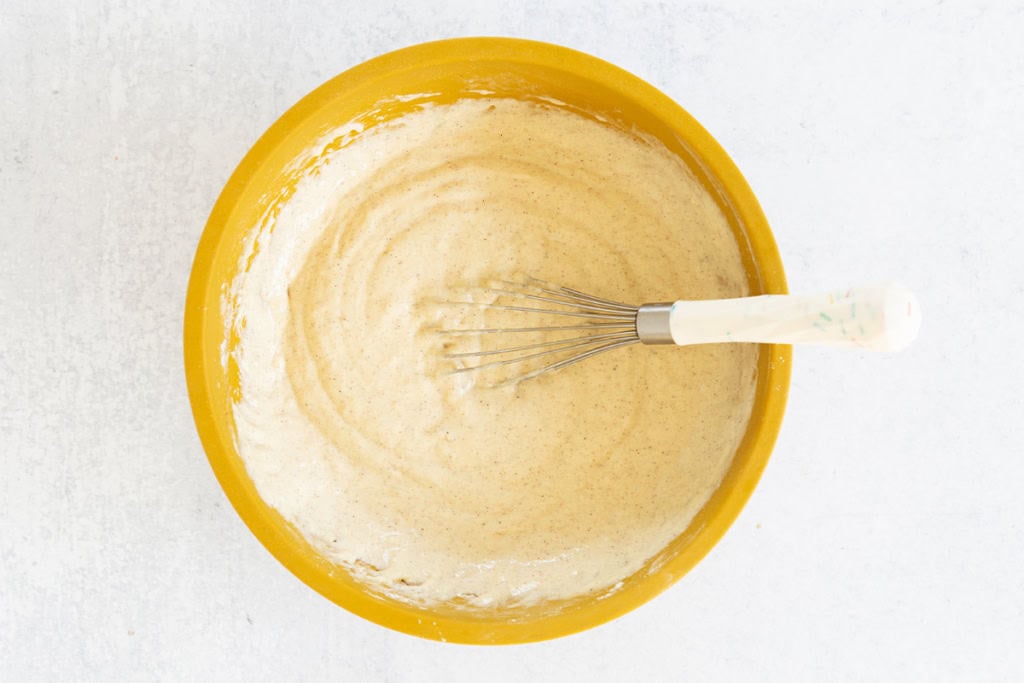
431 487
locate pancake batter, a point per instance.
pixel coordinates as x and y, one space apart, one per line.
422 485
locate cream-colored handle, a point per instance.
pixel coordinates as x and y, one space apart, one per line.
877 318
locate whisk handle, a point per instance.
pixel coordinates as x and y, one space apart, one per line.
875 318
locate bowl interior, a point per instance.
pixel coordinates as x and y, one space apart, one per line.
388 87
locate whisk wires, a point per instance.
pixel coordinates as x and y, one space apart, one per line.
604 325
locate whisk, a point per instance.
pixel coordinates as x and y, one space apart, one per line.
545 327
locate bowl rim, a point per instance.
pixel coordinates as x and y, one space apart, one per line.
762 435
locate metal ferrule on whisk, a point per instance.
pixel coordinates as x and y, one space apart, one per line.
652 323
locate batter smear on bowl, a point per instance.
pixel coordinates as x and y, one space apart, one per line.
434 488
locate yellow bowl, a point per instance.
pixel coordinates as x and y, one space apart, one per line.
446 71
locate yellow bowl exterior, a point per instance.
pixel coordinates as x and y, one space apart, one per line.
445 71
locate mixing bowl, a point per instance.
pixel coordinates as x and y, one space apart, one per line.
388 87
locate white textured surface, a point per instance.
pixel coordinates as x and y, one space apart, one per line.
885 540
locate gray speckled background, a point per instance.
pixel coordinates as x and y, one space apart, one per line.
885 540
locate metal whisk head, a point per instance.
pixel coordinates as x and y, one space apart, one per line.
534 327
